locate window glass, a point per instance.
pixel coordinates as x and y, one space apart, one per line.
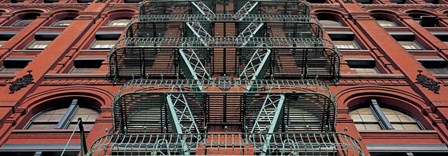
410 45
330 23
119 22
365 119
385 23
346 45
366 70
2 42
22 22
39 45
103 44
62 23
48 120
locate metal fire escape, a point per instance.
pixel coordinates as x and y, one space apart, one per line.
269 101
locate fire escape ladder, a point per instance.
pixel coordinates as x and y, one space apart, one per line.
245 10
256 66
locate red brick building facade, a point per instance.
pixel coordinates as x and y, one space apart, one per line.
389 86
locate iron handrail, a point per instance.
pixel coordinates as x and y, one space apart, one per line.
298 143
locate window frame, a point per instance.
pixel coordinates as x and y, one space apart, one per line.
332 23
408 43
94 43
32 45
354 44
383 121
386 23
65 121
16 23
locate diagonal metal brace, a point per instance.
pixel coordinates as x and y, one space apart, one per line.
245 10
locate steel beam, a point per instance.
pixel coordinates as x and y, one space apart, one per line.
250 31
245 10
204 9
255 67
199 32
181 118
270 111
195 67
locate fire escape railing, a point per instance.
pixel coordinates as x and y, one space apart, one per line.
170 114
297 143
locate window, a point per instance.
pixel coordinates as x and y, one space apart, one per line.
442 37
12 65
362 66
406 40
386 23
5 36
410 45
346 44
432 1
105 40
330 23
119 23
103 44
62 23
85 1
38 45
316 1
375 117
42 40
22 23
17 1
50 1
86 65
364 1
63 118
437 66
398 1
429 21
132 1
344 40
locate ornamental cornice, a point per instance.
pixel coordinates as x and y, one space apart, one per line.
50 6
134 6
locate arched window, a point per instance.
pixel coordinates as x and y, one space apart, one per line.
375 117
63 118
25 20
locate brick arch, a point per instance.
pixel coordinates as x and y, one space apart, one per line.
429 12
384 11
329 11
62 14
117 14
24 11
102 96
331 15
393 98
65 11
41 101
386 15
